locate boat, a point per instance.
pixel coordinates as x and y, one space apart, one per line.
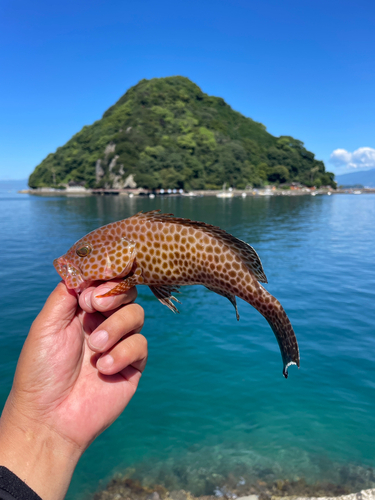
265 192
224 193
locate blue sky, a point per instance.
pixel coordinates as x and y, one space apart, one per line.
304 68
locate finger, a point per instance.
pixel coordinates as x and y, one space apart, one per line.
58 311
131 351
91 322
131 375
85 299
124 321
90 302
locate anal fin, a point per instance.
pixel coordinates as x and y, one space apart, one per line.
164 294
229 296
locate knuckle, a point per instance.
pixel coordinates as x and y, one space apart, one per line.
138 342
138 314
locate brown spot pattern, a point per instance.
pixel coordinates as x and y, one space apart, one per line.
160 250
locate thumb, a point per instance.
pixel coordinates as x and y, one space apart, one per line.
58 311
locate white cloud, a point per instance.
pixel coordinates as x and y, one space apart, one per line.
361 159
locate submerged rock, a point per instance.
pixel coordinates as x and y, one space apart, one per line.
362 495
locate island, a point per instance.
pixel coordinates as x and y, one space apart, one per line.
165 133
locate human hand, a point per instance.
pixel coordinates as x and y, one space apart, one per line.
65 390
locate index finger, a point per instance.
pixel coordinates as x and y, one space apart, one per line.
90 302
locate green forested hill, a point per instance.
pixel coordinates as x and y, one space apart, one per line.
166 132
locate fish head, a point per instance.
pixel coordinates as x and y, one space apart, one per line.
101 255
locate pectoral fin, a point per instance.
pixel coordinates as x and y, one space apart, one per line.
229 296
135 279
164 294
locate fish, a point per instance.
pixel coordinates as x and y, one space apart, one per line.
166 252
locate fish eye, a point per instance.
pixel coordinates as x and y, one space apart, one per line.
84 251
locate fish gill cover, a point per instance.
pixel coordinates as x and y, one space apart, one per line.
167 133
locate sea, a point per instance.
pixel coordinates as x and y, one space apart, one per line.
212 402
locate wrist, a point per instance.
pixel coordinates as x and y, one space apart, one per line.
38 455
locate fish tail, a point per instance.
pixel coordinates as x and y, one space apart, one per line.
278 320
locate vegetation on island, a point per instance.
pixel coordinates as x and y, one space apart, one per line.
167 133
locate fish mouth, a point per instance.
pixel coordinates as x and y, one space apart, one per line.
70 274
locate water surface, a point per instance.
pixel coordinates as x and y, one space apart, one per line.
213 399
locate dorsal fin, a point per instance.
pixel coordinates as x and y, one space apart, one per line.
244 251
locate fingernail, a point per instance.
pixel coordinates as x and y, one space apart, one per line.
105 362
99 339
102 301
88 300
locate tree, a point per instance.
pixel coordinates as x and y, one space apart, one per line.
147 181
278 174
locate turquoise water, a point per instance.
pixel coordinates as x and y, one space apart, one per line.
212 399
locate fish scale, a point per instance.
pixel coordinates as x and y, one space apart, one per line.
166 252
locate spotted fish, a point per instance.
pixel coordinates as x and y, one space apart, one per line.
166 252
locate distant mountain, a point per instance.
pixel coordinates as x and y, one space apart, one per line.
166 132
365 177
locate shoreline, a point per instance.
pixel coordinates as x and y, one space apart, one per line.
235 193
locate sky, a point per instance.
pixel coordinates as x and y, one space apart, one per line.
304 68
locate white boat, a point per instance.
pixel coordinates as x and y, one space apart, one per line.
357 192
243 195
151 196
265 192
224 193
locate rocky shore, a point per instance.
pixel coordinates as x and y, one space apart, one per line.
259 482
123 488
